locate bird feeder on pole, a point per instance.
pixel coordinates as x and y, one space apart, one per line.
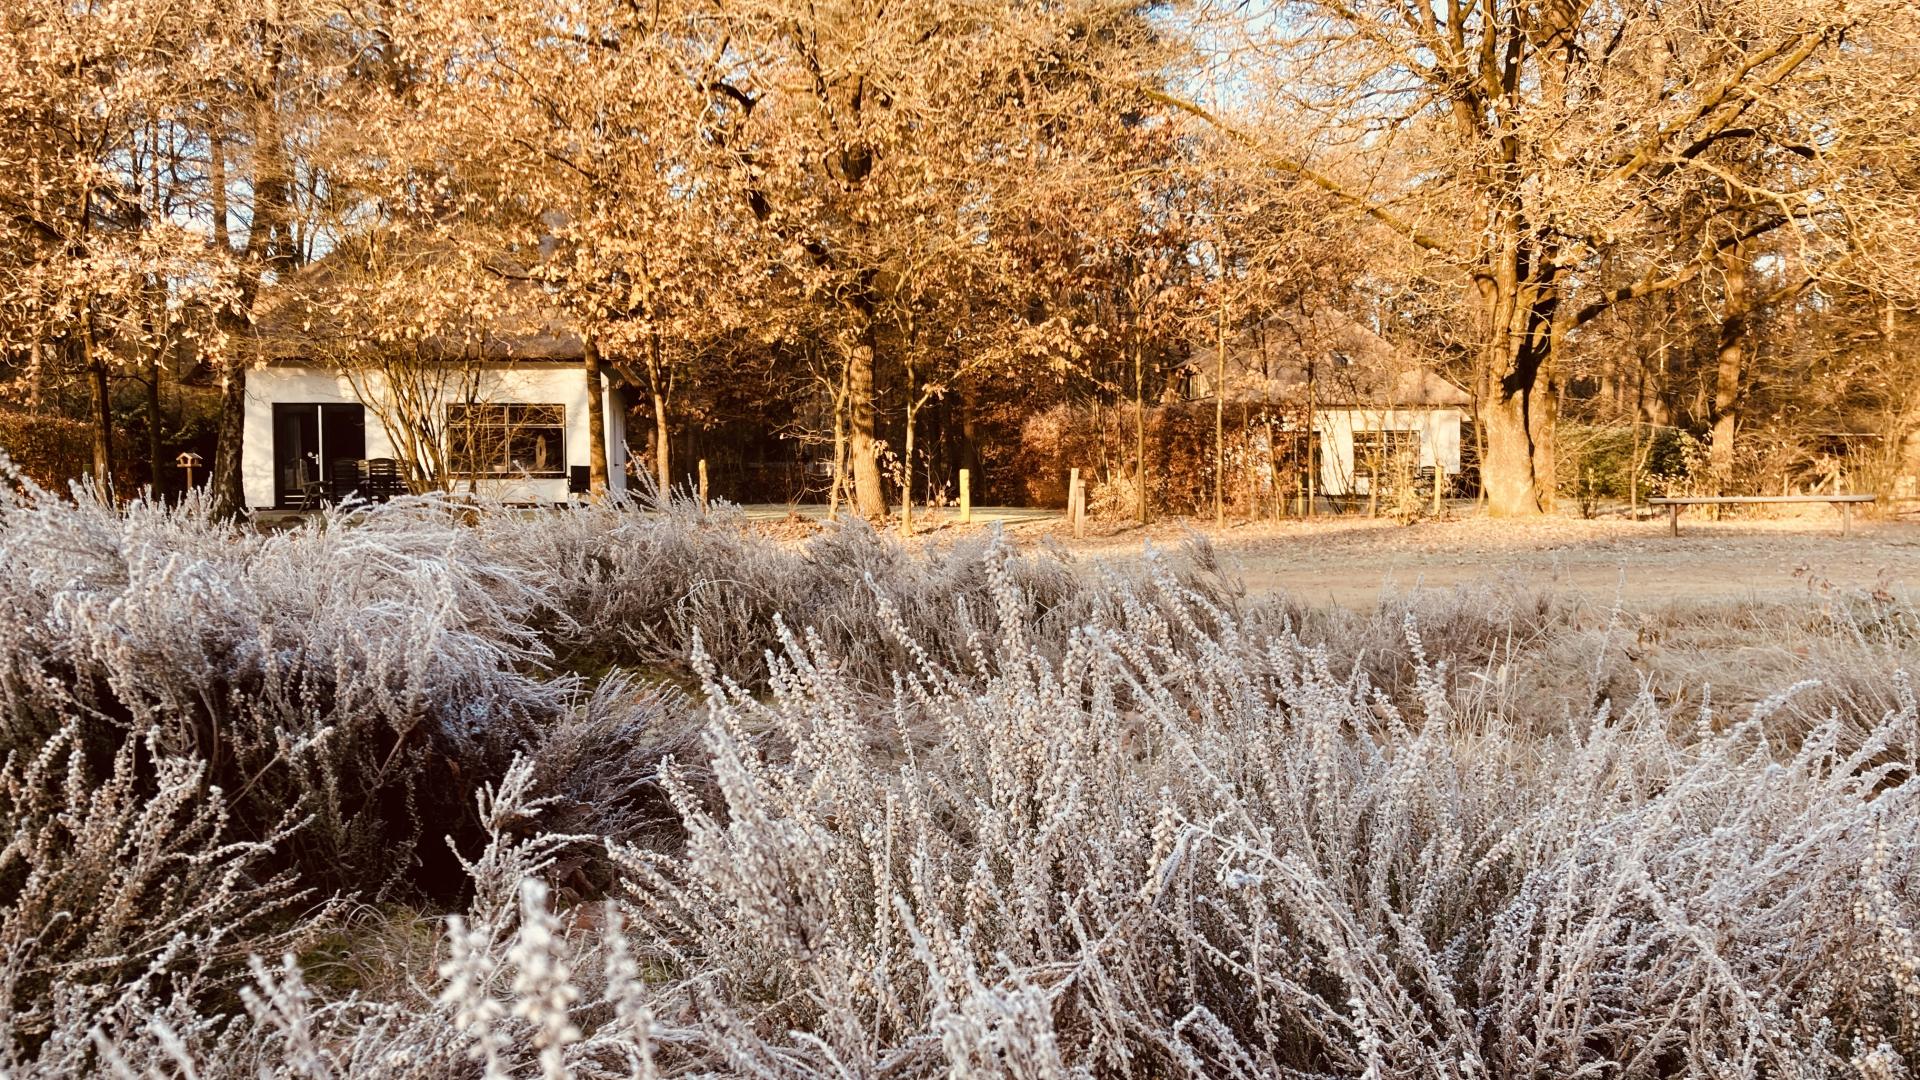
188 461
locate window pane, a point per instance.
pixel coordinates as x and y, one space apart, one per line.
506 440
538 415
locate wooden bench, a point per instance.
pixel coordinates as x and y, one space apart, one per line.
1846 504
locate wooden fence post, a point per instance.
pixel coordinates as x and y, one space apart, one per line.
703 485
1439 485
966 496
1076 503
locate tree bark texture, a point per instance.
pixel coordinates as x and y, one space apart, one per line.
596 418
869 497
662 453
101 403
1729 367
1519 398
269 248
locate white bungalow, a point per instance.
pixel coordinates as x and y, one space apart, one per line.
502 415
1373 413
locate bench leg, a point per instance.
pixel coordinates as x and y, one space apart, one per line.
1673 519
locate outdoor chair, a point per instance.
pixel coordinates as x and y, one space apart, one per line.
384 480
309 490
347 474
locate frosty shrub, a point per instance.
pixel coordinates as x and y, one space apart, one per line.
964 813
638 588
118 888
361 676
373 667
1223 860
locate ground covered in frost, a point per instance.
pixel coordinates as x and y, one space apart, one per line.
429 791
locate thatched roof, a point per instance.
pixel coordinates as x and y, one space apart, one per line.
1323 354
326 311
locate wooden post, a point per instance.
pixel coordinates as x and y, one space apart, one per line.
1673 518
1140 434
1846 519
703 485
1220 401
1439 485
1313 456
966 496
1074 502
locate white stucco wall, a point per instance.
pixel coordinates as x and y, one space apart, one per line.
536 384
1439 439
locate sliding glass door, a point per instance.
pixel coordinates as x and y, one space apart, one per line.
307 441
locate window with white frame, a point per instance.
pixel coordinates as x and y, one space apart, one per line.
503 441
1385 458
1382 447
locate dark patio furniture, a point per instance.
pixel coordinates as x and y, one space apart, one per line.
347 473
309 490
384 479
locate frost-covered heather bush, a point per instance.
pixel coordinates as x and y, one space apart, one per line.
1849 646
1530 652
960 812
361 675
372 667
637 588
119 888
1180 849
598 767
1226 861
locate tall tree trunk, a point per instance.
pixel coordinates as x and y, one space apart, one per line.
154 464
268 248
1655 389
906 492
1220 413
35 373
1730 354
596 418
1139 432
102 406
969 447
1633 462
224 481
869 497
158 333
837 488
1519 400
662 456
1517 470
1311 424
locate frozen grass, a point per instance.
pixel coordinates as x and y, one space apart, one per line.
952 812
